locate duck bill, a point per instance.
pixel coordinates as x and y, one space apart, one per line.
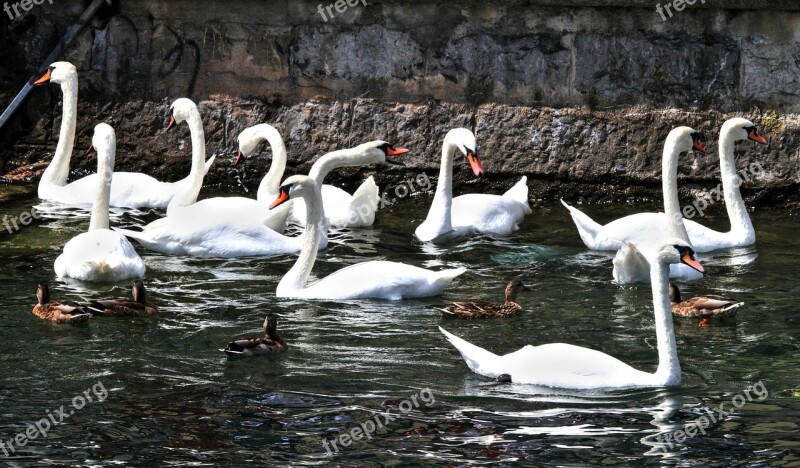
171 122
282 198
475 164
238 158
90 152
687 259
44 79
757 138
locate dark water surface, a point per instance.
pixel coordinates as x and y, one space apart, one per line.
174 398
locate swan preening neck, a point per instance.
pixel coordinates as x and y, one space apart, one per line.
734 130
65 74
679 140
104 142
185 110
305 187
441 207
249 140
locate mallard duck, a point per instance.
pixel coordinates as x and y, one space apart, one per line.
123 307
702 306
271 343
481 309
62 312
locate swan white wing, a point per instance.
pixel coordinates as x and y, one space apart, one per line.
363 204
377 280
553 365
341 207
128 190
706 240
243 209
208 237
491 214
99 255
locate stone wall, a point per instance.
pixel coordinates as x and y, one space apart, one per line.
501 68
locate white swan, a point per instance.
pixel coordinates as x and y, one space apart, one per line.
563 365
374 279
248 209
129 189
466 214
742 232
100 254
343 210
637 237
185 232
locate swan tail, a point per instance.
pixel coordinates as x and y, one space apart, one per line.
587 227
208 164
519 192
478 359
364 204
630 266
445 277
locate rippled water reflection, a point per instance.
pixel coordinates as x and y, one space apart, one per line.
174 397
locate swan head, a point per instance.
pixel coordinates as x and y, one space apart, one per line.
742 129
686 139
677 251
181 110
464 140
380 151
43 292
58 72
270 324
513 289
251 138
295 187
104 138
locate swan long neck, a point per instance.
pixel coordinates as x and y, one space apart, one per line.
741 226
669 177
191 185
58 170
270 184
105 174
442 204
297 277
336 159
669 367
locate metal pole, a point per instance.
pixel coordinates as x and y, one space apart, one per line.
65 42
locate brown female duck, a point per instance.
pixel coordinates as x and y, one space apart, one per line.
271 343
61 312
701 306
481 309
124 307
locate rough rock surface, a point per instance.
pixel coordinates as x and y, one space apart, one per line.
568 92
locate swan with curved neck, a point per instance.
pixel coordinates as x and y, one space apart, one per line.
742 232
241 208
100 254
365 280
561 365
473 213
187 232
129 189
340 209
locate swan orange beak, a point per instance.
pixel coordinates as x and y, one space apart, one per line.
475 163
238 158
171 122
282 197
395 152
753 135
689 260
44 79
699 146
